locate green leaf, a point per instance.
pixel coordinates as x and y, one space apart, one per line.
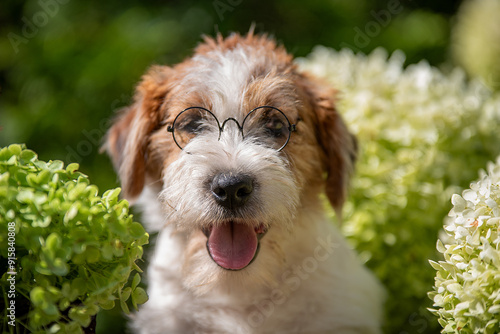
28 155
107 252
53 242
64 303
51 309
43 268
92 254
37 296
77 192
110 197
5 154
144 240
118 249
43 177
107 305
72 167
136 280
80 315
136 230
56 328
59 267
125 294
40 164
79 285
15 149
42 222
139 296
4 180
71 213
124 307
25 196
68 292
136 267
55 165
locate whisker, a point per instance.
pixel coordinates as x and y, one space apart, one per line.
155 182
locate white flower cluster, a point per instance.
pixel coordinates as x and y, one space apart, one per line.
467 286
423 135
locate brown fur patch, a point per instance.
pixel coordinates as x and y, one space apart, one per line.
128 140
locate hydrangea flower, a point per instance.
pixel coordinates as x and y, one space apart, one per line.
423 135
467 284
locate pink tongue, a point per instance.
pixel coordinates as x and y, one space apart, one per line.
232 245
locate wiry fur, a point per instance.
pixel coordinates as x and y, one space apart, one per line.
305 279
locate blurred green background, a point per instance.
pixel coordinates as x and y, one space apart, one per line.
67 66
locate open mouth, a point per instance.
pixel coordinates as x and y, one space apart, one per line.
233 245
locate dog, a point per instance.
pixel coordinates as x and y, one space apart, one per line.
229 154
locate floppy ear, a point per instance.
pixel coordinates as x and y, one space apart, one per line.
127 141
339 146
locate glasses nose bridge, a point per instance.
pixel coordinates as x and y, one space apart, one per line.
239 126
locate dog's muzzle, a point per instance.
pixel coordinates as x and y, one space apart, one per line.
233 244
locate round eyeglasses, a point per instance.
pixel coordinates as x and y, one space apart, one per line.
264 124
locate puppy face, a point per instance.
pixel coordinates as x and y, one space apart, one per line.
236 143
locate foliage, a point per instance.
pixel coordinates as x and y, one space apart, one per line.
467 284
475 40
422 134
73 250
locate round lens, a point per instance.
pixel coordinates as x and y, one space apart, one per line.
268 125
193 122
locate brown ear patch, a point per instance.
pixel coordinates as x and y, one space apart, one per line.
341 150
127 141
338 145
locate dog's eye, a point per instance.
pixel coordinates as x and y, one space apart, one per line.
269 125
192 126
191 123
275 127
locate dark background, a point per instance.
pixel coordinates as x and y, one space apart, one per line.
67 66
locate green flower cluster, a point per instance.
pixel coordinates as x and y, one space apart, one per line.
467 284
68 252
423 134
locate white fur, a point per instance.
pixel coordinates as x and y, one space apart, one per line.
305 279
318 289
224 77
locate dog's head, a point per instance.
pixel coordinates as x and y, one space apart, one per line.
237 143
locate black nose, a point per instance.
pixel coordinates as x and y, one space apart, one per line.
232 191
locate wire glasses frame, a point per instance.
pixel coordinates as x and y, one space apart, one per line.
280 120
